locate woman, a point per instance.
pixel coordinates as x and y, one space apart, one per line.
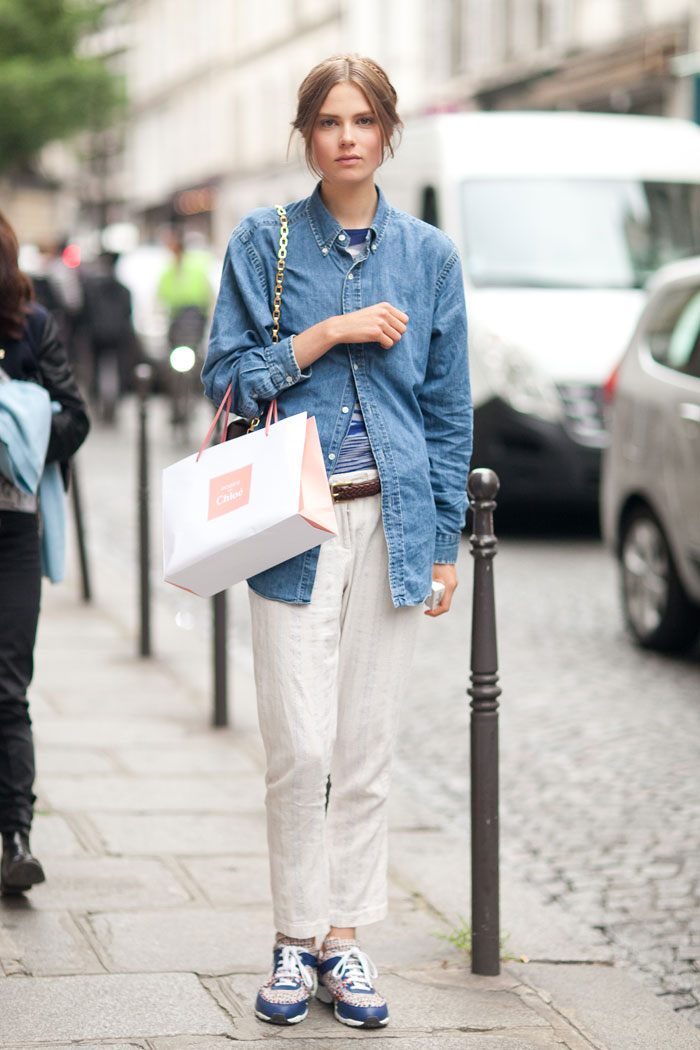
29 350
373 343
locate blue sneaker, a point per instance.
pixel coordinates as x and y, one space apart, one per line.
284 998
345 975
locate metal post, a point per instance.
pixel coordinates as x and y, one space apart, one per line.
143 376
220 635
482 487
80 531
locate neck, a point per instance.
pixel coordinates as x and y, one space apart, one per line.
353 206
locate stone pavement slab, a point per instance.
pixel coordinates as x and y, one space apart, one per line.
198 940
52 836
99 883
345 1039
42 943
219 756
129 794
231 880
182 835
131 1045
115 703
102 732
610 1007
112 1006
68 761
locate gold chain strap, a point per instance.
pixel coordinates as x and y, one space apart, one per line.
279 277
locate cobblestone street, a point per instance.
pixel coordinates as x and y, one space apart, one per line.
600 743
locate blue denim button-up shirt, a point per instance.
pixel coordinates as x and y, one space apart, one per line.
415 397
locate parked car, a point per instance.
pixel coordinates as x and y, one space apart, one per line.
650 490
560 218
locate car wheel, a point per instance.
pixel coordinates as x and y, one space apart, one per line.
656 608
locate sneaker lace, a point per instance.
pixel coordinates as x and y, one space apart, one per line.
291 966
357 968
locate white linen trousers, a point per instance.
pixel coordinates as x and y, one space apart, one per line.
329 679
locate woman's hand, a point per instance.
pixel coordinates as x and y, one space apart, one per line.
381 323
446 574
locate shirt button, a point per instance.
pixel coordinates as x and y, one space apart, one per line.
350 277
341 236
374 247
324 251
345 408
355 366
289 379
331 455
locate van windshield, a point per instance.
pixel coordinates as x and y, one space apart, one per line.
576 233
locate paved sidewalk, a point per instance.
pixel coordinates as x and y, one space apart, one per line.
154 927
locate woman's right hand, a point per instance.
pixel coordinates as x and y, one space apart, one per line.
381 323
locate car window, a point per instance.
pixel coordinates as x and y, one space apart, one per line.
674 338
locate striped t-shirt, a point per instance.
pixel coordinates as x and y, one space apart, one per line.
356 451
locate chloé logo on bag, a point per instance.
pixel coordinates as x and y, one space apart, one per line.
229 491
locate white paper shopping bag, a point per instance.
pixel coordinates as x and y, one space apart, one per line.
243 506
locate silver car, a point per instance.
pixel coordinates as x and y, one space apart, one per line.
650 488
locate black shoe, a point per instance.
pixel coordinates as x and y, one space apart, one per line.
19 870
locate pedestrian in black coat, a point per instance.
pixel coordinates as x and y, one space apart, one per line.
30 349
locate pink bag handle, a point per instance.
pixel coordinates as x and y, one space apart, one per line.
225 401
271 410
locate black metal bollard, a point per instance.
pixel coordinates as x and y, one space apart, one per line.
143 375
220 653
482 487
80 531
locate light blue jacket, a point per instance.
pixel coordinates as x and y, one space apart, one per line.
415 397
25 425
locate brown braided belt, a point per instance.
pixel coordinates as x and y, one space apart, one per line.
341 492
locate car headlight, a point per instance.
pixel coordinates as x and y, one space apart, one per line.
513 377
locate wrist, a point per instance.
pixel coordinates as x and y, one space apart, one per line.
330 332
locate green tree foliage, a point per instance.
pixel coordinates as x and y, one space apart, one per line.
47 89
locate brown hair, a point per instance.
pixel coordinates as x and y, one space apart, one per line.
15 287
346 69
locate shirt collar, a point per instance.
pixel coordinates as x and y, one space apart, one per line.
325 227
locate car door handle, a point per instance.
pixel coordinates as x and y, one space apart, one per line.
689 412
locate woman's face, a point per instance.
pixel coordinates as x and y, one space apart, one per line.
346 140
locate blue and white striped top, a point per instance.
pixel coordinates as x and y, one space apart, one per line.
356 451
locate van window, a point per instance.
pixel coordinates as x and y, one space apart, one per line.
576 233
674 337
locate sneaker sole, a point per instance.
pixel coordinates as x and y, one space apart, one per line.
371 1022
324 996
281 1019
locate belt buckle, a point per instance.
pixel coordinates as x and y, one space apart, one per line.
335 487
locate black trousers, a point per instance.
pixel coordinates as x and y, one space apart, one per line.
20 592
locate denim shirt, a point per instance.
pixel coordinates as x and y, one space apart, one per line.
415 397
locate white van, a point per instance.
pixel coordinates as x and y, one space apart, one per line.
560 218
